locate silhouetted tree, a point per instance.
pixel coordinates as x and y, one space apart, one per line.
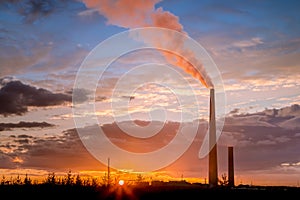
104 179
69 178
27 180
51 179
17 180
61 181
85 182
224 180
94 182
78 180
4 181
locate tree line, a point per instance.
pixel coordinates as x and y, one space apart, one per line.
70 179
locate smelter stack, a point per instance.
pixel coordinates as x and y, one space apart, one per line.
213 160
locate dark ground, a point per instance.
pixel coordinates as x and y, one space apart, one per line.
44 191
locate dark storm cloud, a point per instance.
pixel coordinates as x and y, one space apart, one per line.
9 126
15 97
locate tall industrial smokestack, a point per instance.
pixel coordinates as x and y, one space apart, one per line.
230 167
213 161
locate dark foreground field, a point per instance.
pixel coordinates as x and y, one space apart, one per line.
44 191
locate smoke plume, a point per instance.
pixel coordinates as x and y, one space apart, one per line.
134 14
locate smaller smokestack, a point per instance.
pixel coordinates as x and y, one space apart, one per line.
230 167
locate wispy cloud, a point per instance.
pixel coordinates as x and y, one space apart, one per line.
248 43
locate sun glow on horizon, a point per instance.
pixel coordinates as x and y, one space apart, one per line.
121 182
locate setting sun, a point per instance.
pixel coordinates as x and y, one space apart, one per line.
121 182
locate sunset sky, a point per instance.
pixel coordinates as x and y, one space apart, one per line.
255 46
